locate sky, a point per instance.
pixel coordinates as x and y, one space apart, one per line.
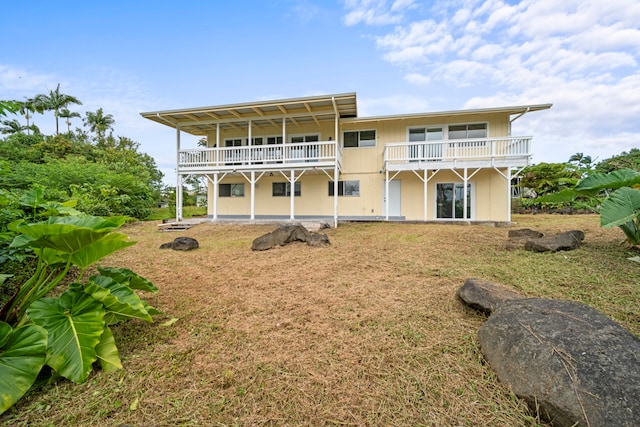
399 56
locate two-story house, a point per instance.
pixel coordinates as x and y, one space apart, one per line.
314 158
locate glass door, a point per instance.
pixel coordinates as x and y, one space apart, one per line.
450 201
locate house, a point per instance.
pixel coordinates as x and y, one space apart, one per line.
314 158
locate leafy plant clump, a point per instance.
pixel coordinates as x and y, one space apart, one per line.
72 331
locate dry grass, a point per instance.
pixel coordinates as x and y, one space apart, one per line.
366 332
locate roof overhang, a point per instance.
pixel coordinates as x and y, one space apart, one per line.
514 110
311 109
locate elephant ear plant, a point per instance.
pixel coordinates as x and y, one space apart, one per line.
72 331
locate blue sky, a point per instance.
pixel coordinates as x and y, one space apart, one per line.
401 56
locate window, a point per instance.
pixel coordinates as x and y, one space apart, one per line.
346 188
425 152
231 190
361 138
283 189
468 131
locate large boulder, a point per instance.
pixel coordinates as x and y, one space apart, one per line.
566 241
485 296
287 234
570 362
181 244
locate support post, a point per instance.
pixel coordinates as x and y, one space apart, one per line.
426 175
253 195
292 186
465 192
178 177
215 195
508 194
386 195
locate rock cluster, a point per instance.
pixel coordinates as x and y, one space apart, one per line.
569 362
287 234
181 244
535 241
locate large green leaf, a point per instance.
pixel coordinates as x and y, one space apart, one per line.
621 207
118 299
33 198
616 179
75 323
107 352
23 352
99 249
124 275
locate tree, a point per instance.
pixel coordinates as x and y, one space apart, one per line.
545 178
68 115
11 126
8 107
54 101
628 160
27 108
583 164
99 123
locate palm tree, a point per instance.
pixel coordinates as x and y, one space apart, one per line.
55 101
98 122
27 108
11 127
66 114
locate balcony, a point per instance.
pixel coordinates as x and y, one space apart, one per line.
472 153
306 155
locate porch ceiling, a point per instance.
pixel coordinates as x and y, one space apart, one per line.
299 111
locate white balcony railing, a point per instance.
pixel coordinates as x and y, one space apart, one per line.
485 149
260 156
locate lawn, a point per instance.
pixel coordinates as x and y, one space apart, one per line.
365 332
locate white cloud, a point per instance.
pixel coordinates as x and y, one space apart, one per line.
581 56
376 12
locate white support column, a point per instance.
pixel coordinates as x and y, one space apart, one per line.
386 195
465 191
216 181
253 195
178 177
508 194
292 185
335 194
426 181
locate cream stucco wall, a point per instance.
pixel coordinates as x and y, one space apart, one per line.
366 164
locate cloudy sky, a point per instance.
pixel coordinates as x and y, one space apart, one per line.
400 56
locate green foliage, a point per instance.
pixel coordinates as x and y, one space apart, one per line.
624 160
73 328
545 178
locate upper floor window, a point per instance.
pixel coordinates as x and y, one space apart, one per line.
469 131
359 138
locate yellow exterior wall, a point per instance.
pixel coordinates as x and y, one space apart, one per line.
366 165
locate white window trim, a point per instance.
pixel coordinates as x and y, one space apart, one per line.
375 141
472 200
445 129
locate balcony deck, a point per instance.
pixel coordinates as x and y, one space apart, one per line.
307 155
463 153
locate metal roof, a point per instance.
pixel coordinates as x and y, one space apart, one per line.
311 109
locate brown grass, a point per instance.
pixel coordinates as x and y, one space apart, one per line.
366 332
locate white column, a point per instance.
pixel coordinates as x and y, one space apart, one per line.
178 178
216 181
426 174
253 195
386 195
508 194
464 195
292 184
335 170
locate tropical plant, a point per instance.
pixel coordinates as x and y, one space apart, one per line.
54 101
624 160
68 115
98 122
8 107
614 196
12 126
70 332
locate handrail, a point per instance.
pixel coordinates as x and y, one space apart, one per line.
459 149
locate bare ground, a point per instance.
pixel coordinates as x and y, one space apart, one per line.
365 332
